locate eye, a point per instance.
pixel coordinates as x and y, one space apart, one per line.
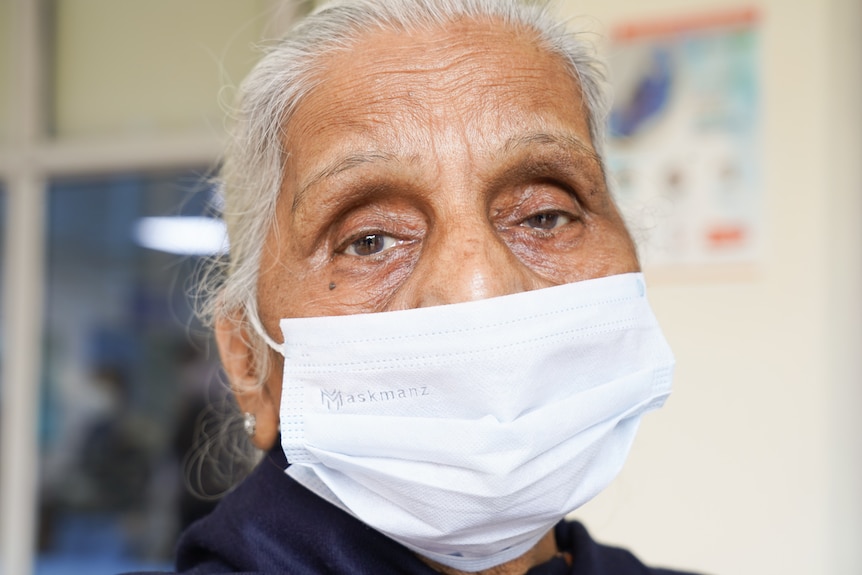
546 221
370 244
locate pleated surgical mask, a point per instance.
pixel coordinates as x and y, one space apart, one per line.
467 431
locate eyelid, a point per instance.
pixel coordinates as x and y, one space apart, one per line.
352 237
387 245
360 209
572 172
336 205
545 197
397 228
559 213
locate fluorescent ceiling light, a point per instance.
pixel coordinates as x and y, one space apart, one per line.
186 235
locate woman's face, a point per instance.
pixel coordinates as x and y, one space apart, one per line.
433 168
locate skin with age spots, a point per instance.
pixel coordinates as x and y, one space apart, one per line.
428 168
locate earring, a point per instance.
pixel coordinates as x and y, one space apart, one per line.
249 422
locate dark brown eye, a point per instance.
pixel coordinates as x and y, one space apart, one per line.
546 221
370 244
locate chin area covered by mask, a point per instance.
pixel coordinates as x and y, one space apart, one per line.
467 431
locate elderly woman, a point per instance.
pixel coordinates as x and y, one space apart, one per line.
432 318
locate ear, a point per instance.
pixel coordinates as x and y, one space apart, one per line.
253 394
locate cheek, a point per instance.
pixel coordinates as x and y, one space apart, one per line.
275 378
337 288
369 290
602 249
284 284
612 252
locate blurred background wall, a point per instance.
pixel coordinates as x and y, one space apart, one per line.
112 113
755 465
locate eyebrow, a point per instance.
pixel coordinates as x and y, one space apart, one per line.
568 143
337 166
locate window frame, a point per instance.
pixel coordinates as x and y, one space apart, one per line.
28 162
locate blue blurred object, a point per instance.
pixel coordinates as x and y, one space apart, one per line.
648 98
57 564
91 544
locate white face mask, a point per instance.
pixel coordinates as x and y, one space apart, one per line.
467 431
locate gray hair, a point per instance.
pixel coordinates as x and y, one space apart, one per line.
251 174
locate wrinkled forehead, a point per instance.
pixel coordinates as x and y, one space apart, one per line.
420 89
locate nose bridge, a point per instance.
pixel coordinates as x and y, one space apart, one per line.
468 262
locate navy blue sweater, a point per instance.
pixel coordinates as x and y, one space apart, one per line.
272 524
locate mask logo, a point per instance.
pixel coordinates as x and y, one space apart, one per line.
331 399
334 399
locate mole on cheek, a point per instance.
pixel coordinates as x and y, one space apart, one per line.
331 286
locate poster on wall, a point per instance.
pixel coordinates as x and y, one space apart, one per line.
684 138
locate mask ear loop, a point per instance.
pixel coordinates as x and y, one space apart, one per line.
254 320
